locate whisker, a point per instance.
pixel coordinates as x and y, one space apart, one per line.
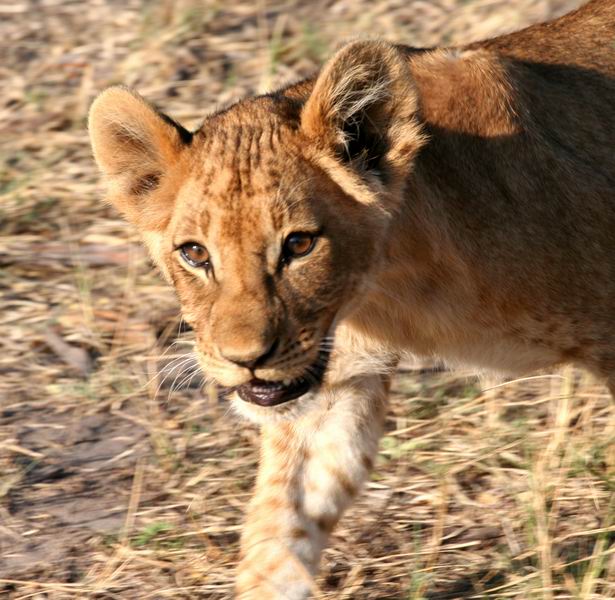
189 369
174 364
186 381
175 343
159 357
180 364
188 364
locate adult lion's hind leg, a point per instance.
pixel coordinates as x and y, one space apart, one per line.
310 471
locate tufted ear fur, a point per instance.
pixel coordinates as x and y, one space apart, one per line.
363 108
136 148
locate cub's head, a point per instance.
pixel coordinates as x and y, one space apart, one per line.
270 217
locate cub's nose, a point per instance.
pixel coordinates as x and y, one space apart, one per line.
250 358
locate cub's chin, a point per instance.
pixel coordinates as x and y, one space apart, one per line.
264 401
287 411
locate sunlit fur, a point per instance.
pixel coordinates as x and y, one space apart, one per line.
463 201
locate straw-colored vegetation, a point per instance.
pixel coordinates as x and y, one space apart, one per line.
112 484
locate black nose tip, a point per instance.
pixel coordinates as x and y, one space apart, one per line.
257 360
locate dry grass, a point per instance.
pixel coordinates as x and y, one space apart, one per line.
114 486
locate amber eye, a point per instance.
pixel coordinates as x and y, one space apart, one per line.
194 254
297 244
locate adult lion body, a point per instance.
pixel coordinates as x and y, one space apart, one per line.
456 202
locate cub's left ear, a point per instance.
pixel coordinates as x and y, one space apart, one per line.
135 147
363 108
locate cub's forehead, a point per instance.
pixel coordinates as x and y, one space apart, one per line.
250 134
243 161
245 170
251 149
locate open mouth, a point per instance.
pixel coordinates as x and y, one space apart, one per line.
272 393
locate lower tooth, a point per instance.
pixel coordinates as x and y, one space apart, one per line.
287 382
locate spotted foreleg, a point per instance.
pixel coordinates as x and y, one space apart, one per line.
310 471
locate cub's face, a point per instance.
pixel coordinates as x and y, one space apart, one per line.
265 250
268 220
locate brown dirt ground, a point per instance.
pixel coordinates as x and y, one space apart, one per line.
119 476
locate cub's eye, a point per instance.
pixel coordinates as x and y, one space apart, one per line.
297 244
194 254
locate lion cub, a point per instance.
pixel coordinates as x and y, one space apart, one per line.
457 202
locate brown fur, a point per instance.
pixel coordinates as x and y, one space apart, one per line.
464 206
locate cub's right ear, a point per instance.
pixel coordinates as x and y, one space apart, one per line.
135 147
